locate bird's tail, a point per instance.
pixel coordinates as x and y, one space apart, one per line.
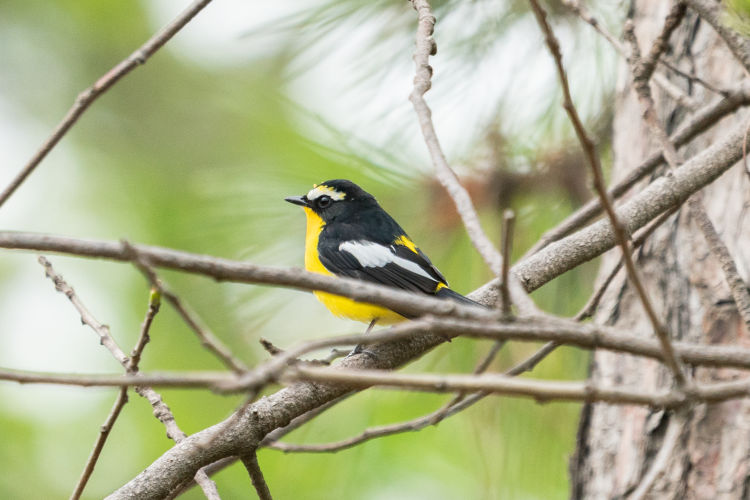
447 293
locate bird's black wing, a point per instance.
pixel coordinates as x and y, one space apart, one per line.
394 265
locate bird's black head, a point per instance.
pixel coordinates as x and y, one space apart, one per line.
333 198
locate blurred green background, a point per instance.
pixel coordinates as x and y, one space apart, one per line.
196 151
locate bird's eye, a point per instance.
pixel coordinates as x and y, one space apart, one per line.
324 201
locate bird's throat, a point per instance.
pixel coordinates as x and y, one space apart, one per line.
314 227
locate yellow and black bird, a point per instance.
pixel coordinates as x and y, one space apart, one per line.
349 234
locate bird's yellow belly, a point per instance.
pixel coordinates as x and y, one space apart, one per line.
338 305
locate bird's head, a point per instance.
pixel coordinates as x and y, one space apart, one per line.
332 198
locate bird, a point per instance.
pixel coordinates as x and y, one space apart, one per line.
349 234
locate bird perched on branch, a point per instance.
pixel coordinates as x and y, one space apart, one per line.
349 234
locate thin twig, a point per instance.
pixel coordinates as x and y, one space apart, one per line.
541 391
87 318
457 404
690 77
207 338
718 248
671 359
122 397
425 47
643 92
104 430
270 347
646 66
154 304
104 83
161 410
348 379
592 304
509 219
675 92
256 476
737 286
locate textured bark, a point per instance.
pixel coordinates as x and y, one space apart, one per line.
617 444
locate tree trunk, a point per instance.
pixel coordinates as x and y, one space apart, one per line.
617 445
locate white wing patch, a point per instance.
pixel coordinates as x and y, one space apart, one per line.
321 190
370 254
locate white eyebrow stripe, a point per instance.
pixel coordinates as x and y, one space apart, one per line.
322 190
370 254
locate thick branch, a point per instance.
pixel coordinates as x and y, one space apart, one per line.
661 195
700 122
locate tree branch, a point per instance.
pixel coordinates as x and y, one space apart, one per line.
104 83
161 410
661 195
700 122
426 47
122 398
256 476
207 338
621 233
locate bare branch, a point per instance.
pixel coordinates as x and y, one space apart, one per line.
736 284
86 317
104 430
458 403
104 83
256 475
161 410
588 310
207 338
702 120
509 219
641 77
645 68
122 398
661 195
425 47
183 380
539 390
154 303
671 89
621 233
244 272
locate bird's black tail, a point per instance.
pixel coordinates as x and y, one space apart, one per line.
447 293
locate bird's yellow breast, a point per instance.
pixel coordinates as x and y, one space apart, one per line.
338 305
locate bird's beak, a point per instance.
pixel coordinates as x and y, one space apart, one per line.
297 200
